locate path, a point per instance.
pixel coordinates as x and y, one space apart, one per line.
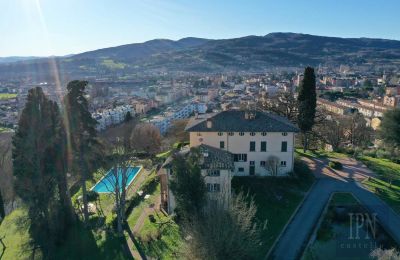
297 233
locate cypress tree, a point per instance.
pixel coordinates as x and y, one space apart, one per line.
85 148
35 171
307 102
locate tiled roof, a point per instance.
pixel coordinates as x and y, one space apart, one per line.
211 158
235 121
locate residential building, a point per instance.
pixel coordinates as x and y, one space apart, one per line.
236 143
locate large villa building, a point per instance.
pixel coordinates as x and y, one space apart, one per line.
235 143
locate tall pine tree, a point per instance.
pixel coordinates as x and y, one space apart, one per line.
35 171
307 102
84 147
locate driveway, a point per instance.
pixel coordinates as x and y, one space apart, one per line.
297 233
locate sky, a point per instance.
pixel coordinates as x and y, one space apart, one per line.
61 27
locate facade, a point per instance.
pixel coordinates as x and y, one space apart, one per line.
236 143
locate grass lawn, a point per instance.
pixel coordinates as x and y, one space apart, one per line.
276 199
5 129
380 185
7 96
81 243
156 240
160 239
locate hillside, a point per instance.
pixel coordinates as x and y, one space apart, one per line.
250 53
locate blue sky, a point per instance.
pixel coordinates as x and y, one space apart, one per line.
59 27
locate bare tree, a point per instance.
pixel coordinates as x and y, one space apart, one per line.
146 138
284 104
225 230
177 131
272 165
116 181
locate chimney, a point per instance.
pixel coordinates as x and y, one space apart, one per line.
209 123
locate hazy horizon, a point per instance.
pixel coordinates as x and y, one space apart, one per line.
46 28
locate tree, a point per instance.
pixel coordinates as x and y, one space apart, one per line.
84 147
120 171
177 131
224 230
359 134
332 132
272 165
128 117
146 138
307 103
188 184
284 104
390 128
35 168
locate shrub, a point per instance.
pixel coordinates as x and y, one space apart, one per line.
383 154
92 196
335 165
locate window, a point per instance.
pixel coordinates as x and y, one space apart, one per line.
222 145
252 146
284 147
240 157
213 187
213 173
263 146
252 134
283 163
262 163
241 134
231 133
198 134
240 169
220 134
284 134
252 163
264 133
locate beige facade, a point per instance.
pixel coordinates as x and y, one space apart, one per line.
239 143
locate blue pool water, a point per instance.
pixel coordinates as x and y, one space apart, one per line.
108 182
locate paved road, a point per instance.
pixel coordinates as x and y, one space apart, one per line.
297 233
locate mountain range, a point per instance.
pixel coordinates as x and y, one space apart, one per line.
250 53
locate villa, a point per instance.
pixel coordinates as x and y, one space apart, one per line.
235 143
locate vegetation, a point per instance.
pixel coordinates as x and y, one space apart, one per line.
40 173
335 165
390 127
224 230
387 183
188 185
307 103
146 138
4 96
85 149
276 200
113 65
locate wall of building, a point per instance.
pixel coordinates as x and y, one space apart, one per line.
237 144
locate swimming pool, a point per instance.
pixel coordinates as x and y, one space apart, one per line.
108 182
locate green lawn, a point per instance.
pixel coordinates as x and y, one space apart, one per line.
168 244
276 200
381 185
80 243
168 233
7 96
111 64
